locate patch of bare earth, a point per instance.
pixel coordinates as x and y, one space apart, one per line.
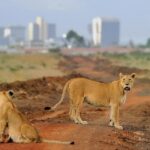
34 97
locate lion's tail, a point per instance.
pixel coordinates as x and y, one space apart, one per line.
62 97
55 141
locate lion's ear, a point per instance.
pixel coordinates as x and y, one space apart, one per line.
11 92
133 75
120 75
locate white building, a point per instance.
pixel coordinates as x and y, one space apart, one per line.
105 31
15 34
40 32
3 40
33 32
43 28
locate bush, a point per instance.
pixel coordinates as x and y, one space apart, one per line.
54 50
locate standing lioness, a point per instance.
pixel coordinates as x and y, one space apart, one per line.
99 94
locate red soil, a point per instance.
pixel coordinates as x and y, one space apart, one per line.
35 95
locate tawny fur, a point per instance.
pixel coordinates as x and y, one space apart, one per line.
20 129
111 94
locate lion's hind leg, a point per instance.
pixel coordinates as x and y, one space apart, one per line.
75 106
72 112
29 133
79 116
73 115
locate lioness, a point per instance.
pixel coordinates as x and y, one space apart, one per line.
19 128
99 94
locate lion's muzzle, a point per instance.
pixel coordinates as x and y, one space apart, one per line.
127 88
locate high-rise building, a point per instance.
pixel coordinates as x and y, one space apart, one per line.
33 32
1 32
3 41
40 32
105 31
51 30
15 34
43 33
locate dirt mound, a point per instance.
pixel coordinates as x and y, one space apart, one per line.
95 64
33 96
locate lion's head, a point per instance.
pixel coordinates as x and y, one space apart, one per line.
6 95
127 81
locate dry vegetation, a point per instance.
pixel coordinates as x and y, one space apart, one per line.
135 59
35 96
27 66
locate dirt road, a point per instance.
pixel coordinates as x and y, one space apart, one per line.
96 135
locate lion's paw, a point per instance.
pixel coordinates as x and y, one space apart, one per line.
84 122
119 127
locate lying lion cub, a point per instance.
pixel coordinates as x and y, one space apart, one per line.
19 129
99 94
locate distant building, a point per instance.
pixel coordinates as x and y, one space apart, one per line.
15 34
1 32
3 41
33 32
40 32
43 31
105 31
51 30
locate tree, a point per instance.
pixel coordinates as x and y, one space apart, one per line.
71 35
75 39
148 42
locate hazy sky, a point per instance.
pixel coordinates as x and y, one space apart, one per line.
134 15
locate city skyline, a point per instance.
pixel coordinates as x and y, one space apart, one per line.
40 31
37 33
77 14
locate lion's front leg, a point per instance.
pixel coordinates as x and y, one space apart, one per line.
7 139
2 130
114 117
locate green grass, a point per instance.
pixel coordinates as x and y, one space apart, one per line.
27 66
135 59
